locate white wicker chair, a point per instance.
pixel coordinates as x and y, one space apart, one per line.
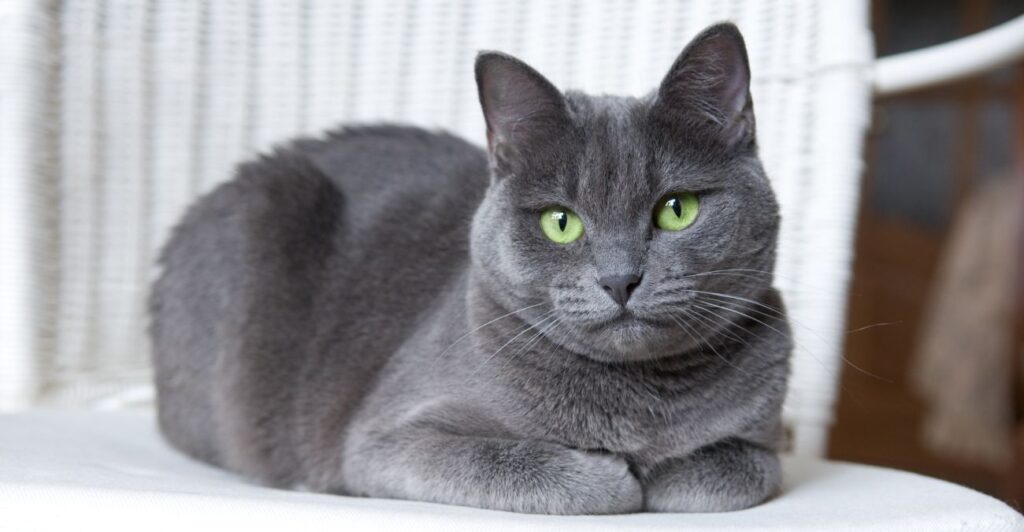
117 113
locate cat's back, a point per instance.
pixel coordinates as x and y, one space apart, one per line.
377 162
330 244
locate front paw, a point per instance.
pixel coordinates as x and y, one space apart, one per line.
499 474
723 477
597 483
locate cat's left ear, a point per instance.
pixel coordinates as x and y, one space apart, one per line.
708 86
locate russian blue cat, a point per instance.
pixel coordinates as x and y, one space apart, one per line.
579 319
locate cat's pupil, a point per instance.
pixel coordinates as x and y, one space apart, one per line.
676 206
562 221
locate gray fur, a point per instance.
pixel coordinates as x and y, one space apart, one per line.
377 313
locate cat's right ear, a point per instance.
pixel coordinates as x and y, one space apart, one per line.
522 109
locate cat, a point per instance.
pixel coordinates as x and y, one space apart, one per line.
578 319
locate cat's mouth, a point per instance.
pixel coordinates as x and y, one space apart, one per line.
627 319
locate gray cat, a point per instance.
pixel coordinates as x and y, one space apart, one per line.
579 320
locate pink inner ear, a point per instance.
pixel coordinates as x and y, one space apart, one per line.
739 128
724 60
733 95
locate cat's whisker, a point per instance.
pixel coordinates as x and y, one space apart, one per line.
495 320
776 313
741 275
736 279
874 325
698 339
710 316
842 387
752 273
541 330
750 270
784 335
731 334
800 346
531 342
547 316
727 299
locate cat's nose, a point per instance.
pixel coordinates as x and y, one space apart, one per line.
620 287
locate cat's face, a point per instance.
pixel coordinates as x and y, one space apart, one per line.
622 218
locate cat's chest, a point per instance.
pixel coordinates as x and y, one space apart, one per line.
644 413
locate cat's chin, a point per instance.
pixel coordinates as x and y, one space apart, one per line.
625 339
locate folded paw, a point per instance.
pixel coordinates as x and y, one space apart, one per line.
724 477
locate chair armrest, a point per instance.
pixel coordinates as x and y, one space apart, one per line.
951 61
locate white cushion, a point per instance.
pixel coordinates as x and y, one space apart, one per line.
111 471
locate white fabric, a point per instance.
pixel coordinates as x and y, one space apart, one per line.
111 472
156 101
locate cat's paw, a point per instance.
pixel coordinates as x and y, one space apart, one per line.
526 476
693 497
722 479
597 483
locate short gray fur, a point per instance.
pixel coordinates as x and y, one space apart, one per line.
378 313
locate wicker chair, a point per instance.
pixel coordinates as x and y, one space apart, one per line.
117 113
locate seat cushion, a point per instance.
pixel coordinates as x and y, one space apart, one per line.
112 471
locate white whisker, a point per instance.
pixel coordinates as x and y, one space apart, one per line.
547 316
503 316
531 342
701 340
796 344
780 314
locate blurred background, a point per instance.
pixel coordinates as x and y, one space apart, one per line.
935 301
117 113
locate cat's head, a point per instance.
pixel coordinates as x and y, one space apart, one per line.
618 217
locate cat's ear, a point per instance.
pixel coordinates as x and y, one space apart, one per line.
522 109
708 86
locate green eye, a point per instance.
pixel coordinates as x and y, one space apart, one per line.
561 225
677 212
